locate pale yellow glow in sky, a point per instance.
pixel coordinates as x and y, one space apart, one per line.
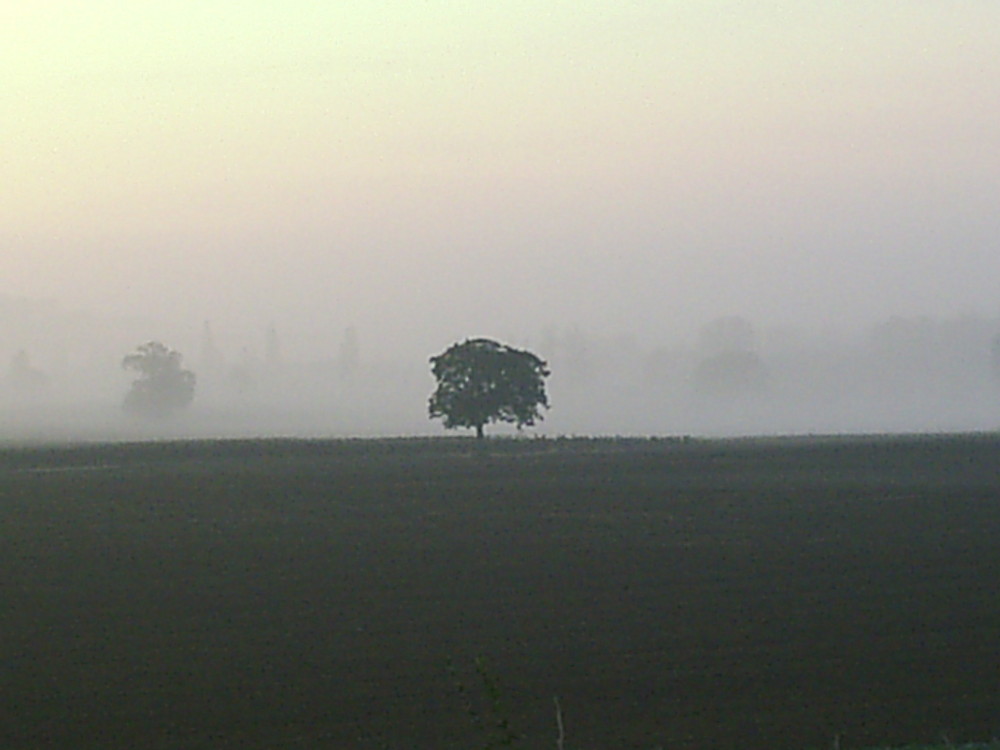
141 140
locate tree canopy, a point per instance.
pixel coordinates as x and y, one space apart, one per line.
163 386
480 381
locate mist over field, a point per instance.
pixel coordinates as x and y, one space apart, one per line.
63 379
710 218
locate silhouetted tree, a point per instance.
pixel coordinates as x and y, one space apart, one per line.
163 386
481 381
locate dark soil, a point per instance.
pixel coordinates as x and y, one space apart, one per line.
278 594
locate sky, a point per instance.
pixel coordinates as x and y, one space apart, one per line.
426 171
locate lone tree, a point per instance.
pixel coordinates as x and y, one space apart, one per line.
163 386
481 381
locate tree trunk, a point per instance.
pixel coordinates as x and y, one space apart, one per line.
479 432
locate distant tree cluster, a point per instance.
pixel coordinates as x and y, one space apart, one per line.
163 386
481 381
731 366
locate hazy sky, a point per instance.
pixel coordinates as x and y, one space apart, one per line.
427 170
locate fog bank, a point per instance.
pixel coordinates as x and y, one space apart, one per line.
728 377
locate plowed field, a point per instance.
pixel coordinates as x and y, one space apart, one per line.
685 594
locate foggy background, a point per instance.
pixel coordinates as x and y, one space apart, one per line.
728 376
712 218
